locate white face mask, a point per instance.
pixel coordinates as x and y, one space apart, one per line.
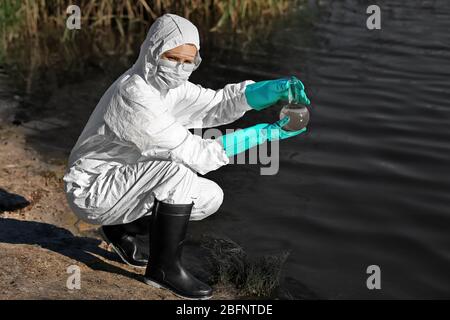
171 74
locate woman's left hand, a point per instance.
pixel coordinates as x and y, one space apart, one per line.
263 94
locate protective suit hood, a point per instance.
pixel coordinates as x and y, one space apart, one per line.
167 32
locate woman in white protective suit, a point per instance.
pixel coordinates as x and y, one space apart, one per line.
134 167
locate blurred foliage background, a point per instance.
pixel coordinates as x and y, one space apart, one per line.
34 39
36 20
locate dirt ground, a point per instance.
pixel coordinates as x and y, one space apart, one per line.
41 241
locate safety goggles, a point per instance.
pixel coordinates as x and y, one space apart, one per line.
188 67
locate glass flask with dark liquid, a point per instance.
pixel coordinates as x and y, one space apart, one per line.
298 113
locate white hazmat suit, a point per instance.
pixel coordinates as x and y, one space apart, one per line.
136 145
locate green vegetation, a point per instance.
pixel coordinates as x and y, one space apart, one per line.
29 17
111 27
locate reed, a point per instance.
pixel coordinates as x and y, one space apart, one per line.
29 18
33 33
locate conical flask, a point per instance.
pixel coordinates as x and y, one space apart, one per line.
298 113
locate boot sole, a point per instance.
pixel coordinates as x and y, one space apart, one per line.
118 251
160 286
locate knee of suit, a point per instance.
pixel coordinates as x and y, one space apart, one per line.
210 202
217 199
177 185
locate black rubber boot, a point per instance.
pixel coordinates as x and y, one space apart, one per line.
130 241
167 235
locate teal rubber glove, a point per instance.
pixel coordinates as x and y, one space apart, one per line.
263 94
242 140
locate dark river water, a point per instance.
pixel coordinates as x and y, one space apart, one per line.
369 184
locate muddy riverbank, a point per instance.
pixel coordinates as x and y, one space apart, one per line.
39 242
